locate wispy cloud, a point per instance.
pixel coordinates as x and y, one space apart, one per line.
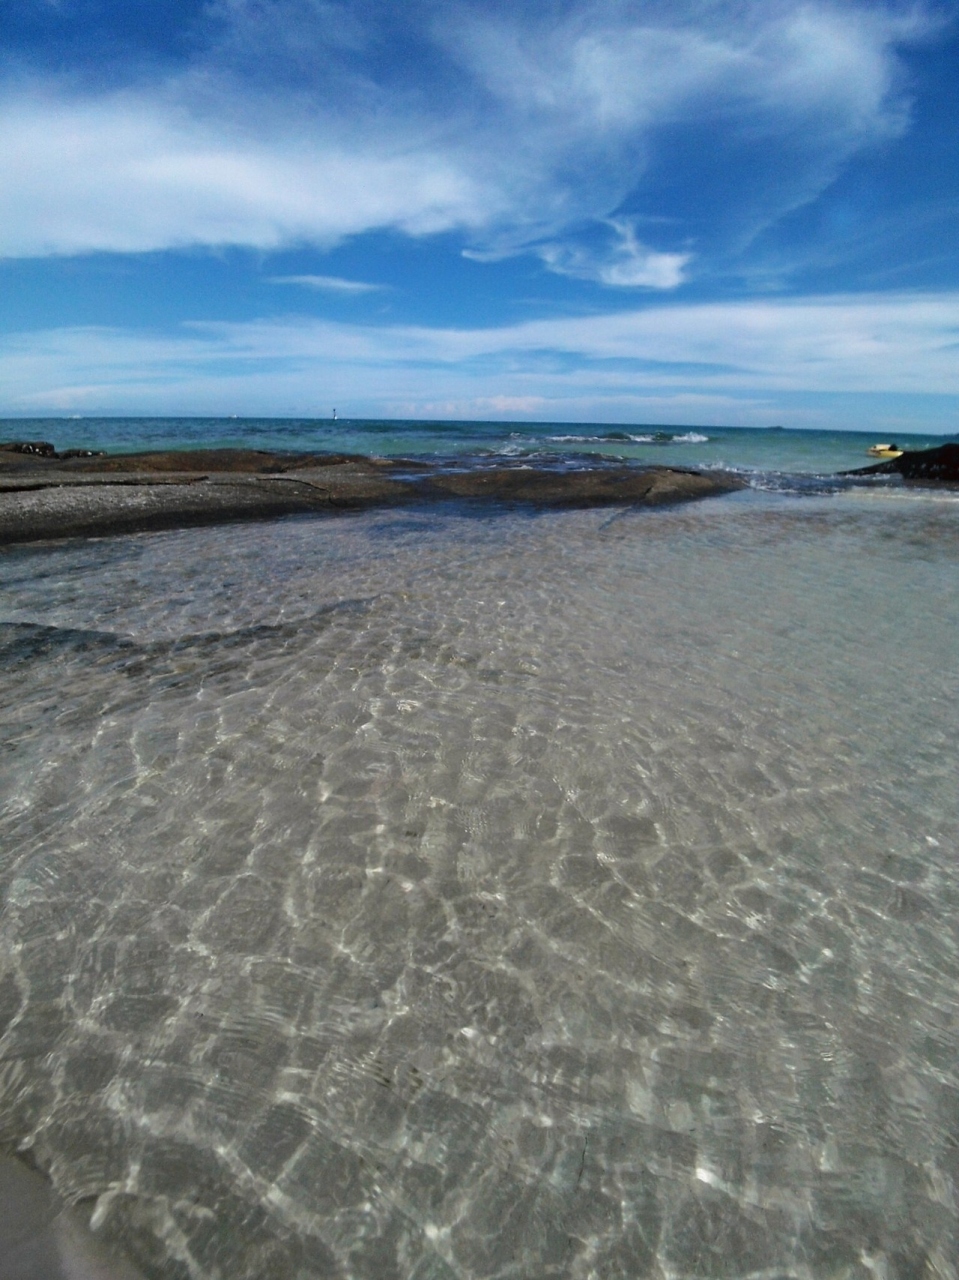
330 284
516 132
720 355
626 263
128 174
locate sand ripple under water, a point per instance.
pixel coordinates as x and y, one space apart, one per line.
441 895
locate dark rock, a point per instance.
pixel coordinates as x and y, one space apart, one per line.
44 497
39 448
940 464
40 1239
39 455
596 487
235 461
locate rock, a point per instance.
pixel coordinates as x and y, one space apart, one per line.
41 1239
49 497
940 464
41 456
39 448
588 487
930 464
234 461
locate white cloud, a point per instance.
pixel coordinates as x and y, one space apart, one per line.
519 132
759 356
128 174
330 284
627 264
790 90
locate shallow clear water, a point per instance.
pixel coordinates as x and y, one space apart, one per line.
433 894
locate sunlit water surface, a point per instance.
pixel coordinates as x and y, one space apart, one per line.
433 895
769 458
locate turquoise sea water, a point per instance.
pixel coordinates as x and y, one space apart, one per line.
768 453
458 893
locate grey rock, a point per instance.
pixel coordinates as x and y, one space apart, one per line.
41 1239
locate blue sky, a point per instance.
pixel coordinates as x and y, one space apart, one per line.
669 211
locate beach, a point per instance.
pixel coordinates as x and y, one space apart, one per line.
494 888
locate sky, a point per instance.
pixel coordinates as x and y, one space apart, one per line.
702 212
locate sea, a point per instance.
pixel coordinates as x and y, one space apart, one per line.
772 458
483 892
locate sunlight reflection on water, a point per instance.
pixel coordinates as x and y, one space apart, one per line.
431 895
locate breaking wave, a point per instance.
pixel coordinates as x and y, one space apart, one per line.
626 437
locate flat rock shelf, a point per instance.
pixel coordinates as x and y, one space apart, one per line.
45 495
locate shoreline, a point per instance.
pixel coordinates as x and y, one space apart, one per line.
45 496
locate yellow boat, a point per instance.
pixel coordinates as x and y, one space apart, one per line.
885 451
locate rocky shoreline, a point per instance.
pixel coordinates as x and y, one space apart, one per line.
939 465
46 495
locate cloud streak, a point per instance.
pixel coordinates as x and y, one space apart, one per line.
724 358
328 284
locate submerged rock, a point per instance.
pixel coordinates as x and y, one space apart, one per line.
41 1239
